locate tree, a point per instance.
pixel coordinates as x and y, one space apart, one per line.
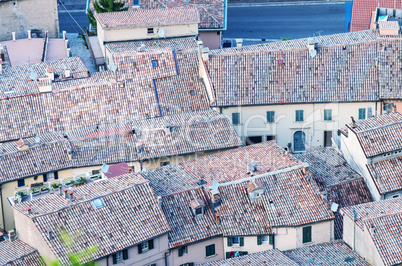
103 6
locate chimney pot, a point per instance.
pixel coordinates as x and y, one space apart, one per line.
13 33
239 43
29 34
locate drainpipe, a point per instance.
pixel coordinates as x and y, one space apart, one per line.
107 260
2 207
166 255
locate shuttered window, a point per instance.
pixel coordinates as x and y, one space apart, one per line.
362 113
327 114
236 118
210 250
307 234
270 117
299 115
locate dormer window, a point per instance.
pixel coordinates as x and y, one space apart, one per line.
255 189
155 63
197 207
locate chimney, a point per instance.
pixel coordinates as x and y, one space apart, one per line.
159 198
217 217
167 129
70 195
372 229
65 193
324 195
67 72
1 66
200 45
22 145
45 85
13 33
305 169
29 210
239 43
64 34
142 48
393 107
312 45
11 235
60 190
388 28
205 54
252 168
50 73
29 34
69 153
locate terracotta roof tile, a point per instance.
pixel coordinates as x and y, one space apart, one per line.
387 174
362 10
269 257
211 12
18 253
110 228
186 227
330 253
380 134
134 18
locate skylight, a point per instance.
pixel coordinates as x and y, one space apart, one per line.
98 203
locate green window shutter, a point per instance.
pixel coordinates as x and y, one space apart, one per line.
227 254
327 114
241 241
151 244
362 113
259 240
299 115
210 250
56 175
180 252
307 234
125 254
114 259
270 116
189 264
271 240
236 118
139 249
229 241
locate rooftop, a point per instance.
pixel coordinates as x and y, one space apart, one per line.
380 134
140 18
18 253
382 220
104 225
330 253
269 257
211 12
387 174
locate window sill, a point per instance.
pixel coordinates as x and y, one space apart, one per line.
211 256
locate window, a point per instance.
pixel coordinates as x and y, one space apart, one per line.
145 246
270 138
95 172
187 264
265 239
164 163
327 114
120 256
270 117
98 203
299 115
237 241
49 177
192 92
198 211
236 118
395 196
327 138
150 30
307 234
136 2
182 251
21 182
155 63
253 140
210 250
35 177
362 113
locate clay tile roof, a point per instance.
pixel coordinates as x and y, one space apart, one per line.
362 12
269 257
276 207
134 18
185 227
211 12
129 203
195 203
387 174
380 134
330 253
254 185
388 25
18 253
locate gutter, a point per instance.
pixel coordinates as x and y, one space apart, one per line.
2 209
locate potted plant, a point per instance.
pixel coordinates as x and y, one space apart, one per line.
55 186
44 189
35 191
70 183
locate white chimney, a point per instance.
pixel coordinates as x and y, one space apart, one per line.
13 33
64 34
159 198
200 45
29 34
306 168
68 52
239 43
11 235
45 85
67 72
205 54
142 48
50 73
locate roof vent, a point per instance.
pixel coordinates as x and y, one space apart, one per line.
1 66
372 229
37 139
167 129
312 46
239 44
197 207
69 153
159 198
22 145
324 195
11 235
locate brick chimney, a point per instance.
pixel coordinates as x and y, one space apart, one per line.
205 54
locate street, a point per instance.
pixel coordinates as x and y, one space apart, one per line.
258 22
290 21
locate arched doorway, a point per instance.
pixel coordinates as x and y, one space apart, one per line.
299 141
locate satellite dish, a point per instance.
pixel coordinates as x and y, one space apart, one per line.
161 33
313 53
32 75
114 68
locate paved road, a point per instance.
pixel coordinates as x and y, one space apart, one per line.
291 21
259 22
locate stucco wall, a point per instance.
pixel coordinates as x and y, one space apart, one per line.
370 251
353 235
253 120
211 39
250 245
22 15
27 232
196 253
